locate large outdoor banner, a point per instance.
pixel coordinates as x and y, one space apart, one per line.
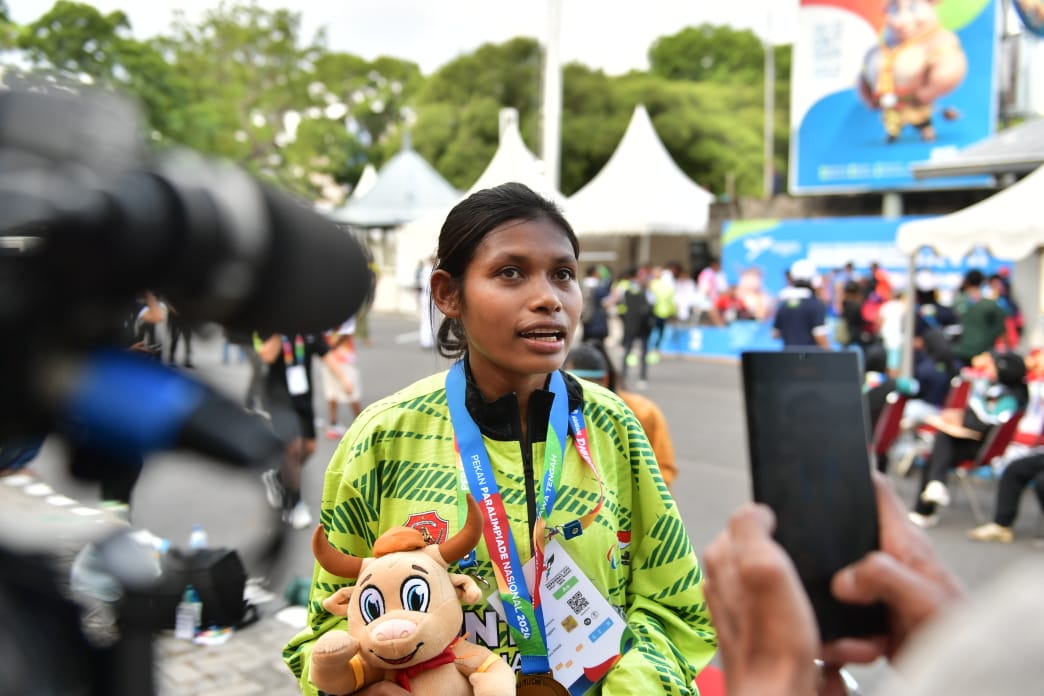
1031 12
879 84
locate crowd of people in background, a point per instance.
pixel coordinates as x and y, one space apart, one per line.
976 331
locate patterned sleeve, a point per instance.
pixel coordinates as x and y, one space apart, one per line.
665 605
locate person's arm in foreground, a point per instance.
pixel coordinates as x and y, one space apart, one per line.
905 574
767 632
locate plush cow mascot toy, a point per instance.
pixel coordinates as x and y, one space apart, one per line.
404 617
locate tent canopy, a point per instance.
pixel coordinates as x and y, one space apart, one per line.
366 181
512 161
1018 150
407 188
640 191
1007 223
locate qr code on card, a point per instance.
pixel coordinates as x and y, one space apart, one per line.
577 603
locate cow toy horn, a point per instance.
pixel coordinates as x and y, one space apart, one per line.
333 560
460 544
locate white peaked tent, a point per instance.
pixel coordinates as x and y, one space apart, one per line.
512 161
1007 223
407 187
366 181
640 191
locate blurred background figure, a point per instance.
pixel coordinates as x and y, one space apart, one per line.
1000 393
594 316
289 398
752 296
342 349
981 319
589 361
362 317
426 310
800 315
634 300
179 329
1000 292
664 306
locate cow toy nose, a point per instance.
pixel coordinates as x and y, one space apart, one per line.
395 629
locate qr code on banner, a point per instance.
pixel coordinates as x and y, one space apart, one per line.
577 603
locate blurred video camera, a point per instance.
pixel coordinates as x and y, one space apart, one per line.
90 218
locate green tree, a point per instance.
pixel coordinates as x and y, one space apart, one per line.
8 29
76 42
594 118
709 53
460 102
246 79
377 97
74 38
736 59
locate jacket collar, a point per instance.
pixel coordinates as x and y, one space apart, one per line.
498 419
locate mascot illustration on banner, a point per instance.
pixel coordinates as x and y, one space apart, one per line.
404 618
916 62
1031 12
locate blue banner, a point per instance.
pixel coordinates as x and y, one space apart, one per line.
759 252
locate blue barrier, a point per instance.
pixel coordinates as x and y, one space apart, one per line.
719 341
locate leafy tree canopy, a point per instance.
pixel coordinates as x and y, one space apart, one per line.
243 83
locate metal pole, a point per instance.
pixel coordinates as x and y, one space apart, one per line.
892 207
770 109
552 122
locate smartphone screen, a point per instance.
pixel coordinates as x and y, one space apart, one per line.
808 435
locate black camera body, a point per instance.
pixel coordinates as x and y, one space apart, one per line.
90 217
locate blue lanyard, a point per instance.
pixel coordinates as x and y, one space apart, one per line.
523 614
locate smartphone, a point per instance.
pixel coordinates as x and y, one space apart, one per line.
808 436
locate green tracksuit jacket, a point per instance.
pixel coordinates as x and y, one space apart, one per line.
397 466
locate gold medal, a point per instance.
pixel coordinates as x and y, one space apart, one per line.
539 685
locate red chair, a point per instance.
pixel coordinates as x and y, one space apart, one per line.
996 441
887 428
711 681
957 396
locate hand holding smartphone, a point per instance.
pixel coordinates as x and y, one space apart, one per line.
808 439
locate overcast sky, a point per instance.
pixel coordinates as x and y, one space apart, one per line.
613 35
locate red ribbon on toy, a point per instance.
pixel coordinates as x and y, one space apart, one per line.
403 676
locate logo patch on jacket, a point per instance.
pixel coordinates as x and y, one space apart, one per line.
434 528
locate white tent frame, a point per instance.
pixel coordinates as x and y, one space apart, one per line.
640 192
1007 223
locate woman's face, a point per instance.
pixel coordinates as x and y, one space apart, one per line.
520 307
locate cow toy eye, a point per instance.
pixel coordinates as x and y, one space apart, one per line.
415 594
371 604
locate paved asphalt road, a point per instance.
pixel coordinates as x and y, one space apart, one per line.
702 402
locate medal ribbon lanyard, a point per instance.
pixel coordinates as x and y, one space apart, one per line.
297 354
522 616
522 612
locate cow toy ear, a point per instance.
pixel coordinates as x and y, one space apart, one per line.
468 591
337 603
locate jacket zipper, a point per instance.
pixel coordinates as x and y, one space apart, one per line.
527 473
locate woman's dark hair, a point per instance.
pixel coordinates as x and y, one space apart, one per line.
468 224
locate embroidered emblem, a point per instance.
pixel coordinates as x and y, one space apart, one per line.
433 528
623 542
